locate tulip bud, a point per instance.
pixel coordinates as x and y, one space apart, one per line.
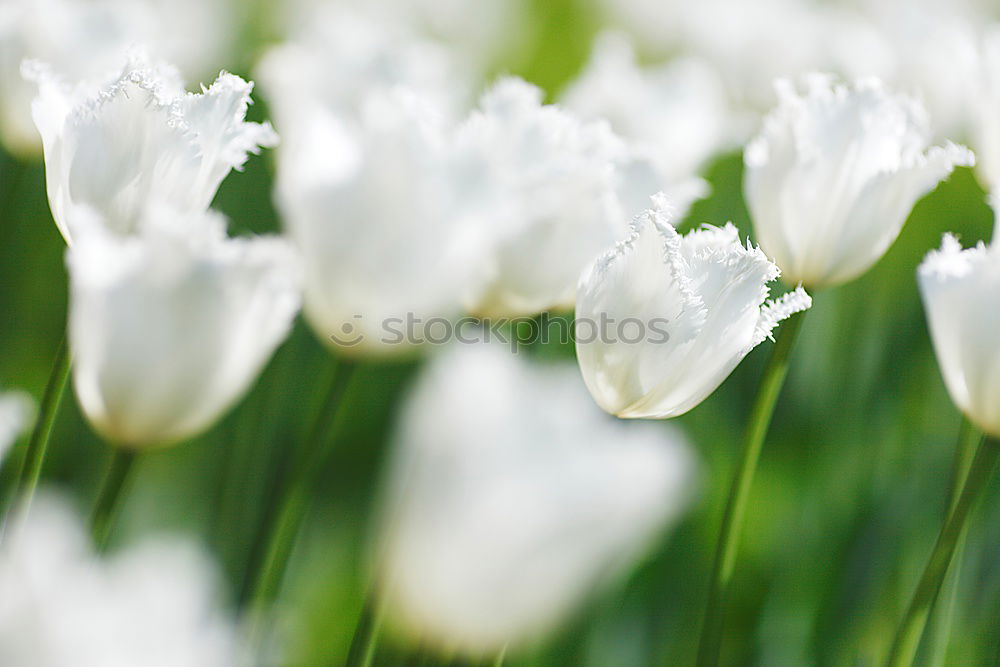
169 328
503 517
834 174
662 319
961 294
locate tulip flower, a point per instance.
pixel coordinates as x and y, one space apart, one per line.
961 292
834 174
169 327
153 603
986 109
140 142
662 319
338 57
374 206
677 114
501 517
550 199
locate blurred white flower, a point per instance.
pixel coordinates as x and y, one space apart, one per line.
932 48
961 294
834 174
476 33
85 41
375 209
140 142
663 319
170 327
749 44
675 113
155 604
511 498
760 41
337 57
480 32
985 111
17 411
549 198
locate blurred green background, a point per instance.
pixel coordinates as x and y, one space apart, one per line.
847 502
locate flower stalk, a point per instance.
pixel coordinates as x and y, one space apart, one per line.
732 520
34 457
364 643
110 495
277 537
969 439
907 641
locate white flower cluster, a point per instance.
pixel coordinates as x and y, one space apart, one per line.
401 195
943 53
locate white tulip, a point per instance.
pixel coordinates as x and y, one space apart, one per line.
834 174
961 294
338 57
933 55
550 199
169 328
85 41
662 319
676 113
140 142
16 413
374 205
986 109
512 498
748 44
155 603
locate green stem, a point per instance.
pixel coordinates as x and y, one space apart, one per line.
34 456
907 641
732 520
969 439
364 643
277 537
110 494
